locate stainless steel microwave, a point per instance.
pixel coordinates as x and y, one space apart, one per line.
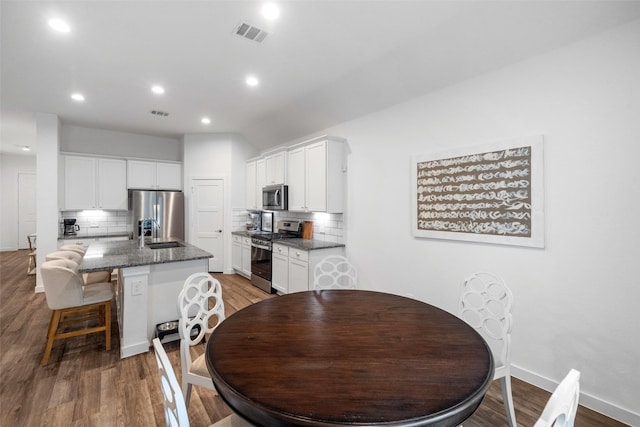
275 197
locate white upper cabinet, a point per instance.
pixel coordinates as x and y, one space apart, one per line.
145 175
297 200
275 168
261 172
168 176
316 176
94 183
261 180
250 189
112 184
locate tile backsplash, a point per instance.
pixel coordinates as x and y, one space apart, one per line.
326 227
98 222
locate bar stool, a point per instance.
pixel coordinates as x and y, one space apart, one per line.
88 278
31 268
71 302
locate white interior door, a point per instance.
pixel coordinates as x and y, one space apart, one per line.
26 207
207 219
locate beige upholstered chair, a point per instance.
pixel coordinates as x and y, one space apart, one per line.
175 410
88 278
335 272
562 406
199 305
72 302
75 248
485 304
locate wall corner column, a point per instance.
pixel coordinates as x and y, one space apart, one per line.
48 149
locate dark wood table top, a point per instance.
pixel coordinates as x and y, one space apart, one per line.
349 357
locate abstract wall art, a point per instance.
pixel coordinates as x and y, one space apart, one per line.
491 193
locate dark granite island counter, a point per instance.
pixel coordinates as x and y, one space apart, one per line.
149 281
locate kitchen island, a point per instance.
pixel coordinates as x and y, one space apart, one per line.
149 281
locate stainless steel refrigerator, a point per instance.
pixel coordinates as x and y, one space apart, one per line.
158 214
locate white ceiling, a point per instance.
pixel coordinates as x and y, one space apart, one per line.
323 62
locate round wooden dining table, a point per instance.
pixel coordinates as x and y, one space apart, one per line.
348 358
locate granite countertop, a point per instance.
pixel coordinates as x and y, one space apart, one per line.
93 236
308 245
243 233
127 253
303 244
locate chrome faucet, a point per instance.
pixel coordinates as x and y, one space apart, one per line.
141 227
141 231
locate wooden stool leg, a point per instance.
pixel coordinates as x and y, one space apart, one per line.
107 320
31 268
53 328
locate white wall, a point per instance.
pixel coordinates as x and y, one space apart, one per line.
77 139
575 300
10 166
214 156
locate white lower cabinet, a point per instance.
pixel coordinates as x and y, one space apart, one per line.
292 268
280 268
241 255
236 253
246 256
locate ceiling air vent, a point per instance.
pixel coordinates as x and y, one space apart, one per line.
250 32
159 113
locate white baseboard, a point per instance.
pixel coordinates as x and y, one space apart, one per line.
596 404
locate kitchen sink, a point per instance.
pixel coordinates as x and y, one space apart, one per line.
164 245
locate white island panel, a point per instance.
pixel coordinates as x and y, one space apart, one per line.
150 296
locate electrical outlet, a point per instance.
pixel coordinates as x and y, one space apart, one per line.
136 287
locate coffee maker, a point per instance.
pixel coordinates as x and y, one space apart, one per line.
70 227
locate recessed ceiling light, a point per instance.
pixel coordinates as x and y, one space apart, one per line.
157 89
59 25
26 148
270 11
77 97
252 81
206 120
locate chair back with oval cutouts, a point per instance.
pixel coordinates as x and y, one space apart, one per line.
335 272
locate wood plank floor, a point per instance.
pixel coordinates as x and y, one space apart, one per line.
84 385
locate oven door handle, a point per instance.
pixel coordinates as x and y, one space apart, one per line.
255 245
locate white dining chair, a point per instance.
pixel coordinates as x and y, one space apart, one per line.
485 304
199 302
175 409
560 410
335 272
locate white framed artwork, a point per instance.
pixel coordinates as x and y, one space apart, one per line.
492 193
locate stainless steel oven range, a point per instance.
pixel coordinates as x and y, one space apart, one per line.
261 245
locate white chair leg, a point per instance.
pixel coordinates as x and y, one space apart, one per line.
507 398
186 391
